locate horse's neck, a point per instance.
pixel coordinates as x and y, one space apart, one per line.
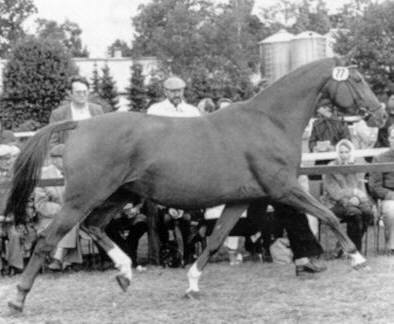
291 101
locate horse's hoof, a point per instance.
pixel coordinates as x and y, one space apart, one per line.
362 267
192 294
123 282
15 308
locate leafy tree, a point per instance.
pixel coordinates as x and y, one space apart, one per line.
136 93
370 40
154 89
95 84
108 90
69 33
316 19
194 37
12 15
35 81
120 45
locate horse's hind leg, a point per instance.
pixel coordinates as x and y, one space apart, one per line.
298 198
223 226
66 219
94 225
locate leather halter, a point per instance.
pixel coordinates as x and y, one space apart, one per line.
356 96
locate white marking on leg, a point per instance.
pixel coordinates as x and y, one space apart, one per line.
122 261
194 276
357 259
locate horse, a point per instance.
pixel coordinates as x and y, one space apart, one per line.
250 150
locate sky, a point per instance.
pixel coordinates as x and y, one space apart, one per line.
104 21
101 21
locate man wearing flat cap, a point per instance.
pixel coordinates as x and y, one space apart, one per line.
174 105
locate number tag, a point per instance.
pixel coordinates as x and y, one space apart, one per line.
340 73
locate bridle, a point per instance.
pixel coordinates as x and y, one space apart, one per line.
342 74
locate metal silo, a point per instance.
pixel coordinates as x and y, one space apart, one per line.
275 55
306 47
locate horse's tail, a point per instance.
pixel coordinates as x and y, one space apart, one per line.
27 169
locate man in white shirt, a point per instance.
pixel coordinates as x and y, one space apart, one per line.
174 105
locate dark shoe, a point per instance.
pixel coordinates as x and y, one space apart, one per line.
309 268
56 265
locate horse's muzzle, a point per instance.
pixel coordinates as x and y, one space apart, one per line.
375 118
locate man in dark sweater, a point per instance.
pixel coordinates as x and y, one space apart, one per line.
382 187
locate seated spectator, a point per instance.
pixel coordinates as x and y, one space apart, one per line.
224 102
383 133
48 202
127 229
7 137
381 186
363 136
17 239
327 130
174 233
206 106
21 239
345 194
232 243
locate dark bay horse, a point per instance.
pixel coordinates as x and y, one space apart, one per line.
247 151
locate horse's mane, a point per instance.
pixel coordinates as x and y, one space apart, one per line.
295 74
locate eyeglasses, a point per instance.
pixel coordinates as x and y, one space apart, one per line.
80 92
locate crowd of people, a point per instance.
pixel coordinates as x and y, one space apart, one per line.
176 237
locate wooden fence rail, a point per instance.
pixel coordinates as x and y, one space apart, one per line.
320 169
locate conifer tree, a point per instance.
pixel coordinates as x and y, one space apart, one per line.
136 93
95 80
108 89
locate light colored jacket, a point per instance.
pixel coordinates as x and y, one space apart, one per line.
64 113
340 187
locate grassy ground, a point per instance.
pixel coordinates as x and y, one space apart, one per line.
249 293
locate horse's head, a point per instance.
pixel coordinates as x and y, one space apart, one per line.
348 90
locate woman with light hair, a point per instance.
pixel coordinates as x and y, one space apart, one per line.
345 194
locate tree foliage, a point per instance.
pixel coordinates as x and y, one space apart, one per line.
136 92
35 80
108 90
308 18
198 39
13 13
369 39
119 45
95 81
68 33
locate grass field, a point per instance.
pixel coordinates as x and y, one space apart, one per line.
249 293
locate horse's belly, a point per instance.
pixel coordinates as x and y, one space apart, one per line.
199 191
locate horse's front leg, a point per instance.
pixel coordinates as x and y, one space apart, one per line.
223 226
295 196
